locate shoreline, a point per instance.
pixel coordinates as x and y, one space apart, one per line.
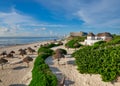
18 74
8 46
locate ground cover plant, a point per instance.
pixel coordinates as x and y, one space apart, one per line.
73 44
41 74
99 60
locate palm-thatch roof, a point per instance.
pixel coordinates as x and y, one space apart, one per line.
12 51
3 61
90 34
27 59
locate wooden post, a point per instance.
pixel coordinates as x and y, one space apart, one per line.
62 81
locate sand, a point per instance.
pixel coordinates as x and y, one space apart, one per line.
19 75
68 69
15 73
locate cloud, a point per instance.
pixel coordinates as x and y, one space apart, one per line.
40 29
105 13
43 28
46 25
11 22
96 13
4 30
14 23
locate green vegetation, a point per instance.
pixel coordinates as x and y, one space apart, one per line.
73 44
41 74
99 44
113 42
45 51
51 45
77 38
116 40
101 58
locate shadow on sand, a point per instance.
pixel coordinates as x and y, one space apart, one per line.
49 60
71 62
17 85
59 75
69 82
19 67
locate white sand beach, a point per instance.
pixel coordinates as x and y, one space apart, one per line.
16 73
72 76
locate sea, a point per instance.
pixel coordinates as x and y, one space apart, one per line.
10 41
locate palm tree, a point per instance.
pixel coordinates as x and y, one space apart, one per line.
3 61
27 60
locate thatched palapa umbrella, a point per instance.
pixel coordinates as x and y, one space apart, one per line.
58 55
12 52
10 55
0 80
60 43
23 52
3 61
4 53
27 60
31 50
20 49
76 45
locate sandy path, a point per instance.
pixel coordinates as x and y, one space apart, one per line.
73 77
17 74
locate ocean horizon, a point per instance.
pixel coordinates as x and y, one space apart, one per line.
10 41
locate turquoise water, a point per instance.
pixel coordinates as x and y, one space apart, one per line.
9 41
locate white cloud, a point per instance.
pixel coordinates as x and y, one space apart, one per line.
15 23
104 13
11 22
43 28
46 25
40 29
4 30
98 13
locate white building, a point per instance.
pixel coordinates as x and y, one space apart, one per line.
91 38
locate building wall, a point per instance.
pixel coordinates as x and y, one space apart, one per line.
90 38
90 42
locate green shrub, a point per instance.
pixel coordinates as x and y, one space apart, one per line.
71 44
41 74
103 61
99 44
51 45
77 38
115 40
45 50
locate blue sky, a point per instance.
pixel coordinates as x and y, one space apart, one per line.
58 17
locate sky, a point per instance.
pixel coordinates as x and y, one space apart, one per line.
58 17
